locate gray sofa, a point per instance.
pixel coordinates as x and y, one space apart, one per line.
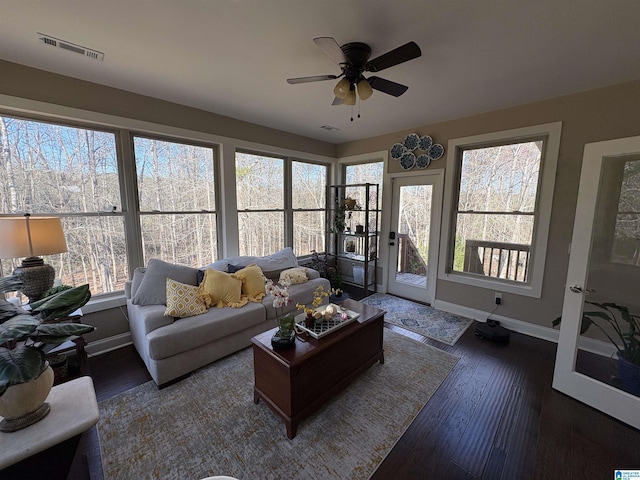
170 347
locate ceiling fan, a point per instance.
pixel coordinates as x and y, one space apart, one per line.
353 59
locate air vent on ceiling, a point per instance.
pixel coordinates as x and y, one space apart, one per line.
71 47
329 128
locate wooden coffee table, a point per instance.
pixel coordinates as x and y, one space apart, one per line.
296 382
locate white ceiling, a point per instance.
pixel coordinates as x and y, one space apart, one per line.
232 57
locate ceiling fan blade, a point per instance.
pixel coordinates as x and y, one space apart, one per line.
337 101
315 78
331 48
404 53
387 86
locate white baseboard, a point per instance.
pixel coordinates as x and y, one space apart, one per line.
108 344
544 333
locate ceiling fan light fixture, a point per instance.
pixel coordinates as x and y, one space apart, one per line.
341 90
350 99
364 89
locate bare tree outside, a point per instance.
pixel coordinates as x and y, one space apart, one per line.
496 206
264 203
71 172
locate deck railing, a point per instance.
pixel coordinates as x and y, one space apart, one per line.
409 257
509 261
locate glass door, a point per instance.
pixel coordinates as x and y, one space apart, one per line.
599 337
414 233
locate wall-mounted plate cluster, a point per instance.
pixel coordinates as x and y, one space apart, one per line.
406 151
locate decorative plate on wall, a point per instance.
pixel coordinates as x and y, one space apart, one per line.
436 151
408 160
423 161
397 150
411 141
425 143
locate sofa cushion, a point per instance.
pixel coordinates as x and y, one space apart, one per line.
294 275
191 332
252 282
221 289
153 287
182 300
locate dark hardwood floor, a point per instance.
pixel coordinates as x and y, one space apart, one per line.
494 417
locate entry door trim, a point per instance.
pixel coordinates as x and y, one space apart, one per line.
435 178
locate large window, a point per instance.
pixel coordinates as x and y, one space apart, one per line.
308 190
176 191
280 203
498 200
72 173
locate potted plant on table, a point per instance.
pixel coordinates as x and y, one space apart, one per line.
285 336
25 337
623 332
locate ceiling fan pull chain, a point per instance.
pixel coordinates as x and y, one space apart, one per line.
352 113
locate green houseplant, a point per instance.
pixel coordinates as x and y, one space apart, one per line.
623 333
25 338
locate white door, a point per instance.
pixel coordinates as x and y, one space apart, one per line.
414 235
604 267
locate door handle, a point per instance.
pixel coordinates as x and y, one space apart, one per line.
392 243
580 289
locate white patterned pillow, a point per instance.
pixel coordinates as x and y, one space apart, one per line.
182 300
294 275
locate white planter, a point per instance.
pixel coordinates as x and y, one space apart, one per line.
23 405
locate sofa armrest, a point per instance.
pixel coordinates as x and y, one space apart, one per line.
127 289
312 274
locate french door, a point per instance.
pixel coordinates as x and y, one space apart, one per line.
604 267
414 236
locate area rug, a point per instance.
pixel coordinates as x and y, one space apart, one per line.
208 424
442 326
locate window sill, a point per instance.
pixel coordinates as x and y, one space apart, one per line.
104 302
492 284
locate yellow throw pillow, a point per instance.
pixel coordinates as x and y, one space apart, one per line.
221 289
182 300
252 282
294 275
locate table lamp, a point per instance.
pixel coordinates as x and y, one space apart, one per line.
28 237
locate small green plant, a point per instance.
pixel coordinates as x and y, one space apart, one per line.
626 326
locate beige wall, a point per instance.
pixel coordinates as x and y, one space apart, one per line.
596 115
25 82
602 114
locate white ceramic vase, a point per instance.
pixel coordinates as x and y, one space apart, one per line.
23 404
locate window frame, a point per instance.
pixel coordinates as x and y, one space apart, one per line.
139 214
287 210
550 133
117 212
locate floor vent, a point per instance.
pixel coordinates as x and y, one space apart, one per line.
71 47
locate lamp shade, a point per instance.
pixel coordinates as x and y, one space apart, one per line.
350 99
364 89
31 236
341 89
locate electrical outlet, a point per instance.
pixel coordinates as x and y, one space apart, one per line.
498 298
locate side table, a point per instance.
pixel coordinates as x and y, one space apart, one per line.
46 449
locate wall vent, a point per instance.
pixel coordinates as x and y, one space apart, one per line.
70 47
329 128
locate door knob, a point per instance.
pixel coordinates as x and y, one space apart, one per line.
580 289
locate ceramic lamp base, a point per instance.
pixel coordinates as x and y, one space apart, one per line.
37 277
